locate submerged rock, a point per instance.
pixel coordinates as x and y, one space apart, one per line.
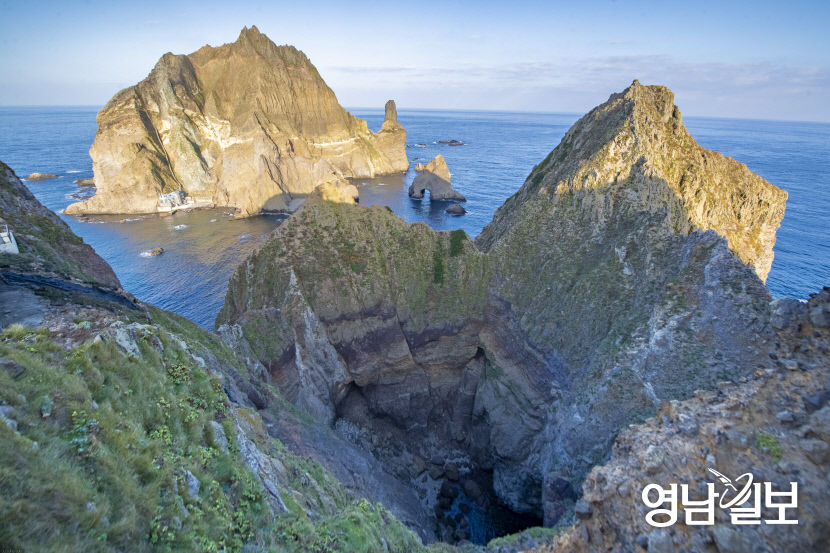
435 177
85 182
152 253
258 108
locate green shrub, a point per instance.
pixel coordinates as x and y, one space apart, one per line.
457 238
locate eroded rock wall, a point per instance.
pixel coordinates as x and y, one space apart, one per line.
613 281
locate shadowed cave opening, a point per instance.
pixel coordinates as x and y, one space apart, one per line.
473 512
454 486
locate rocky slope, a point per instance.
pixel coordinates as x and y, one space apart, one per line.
249 125
623 274
47 246
775 424
127 428
633 152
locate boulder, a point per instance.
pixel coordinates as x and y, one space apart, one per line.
456 209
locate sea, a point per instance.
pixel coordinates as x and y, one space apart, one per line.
203 248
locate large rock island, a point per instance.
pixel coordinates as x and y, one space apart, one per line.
249 125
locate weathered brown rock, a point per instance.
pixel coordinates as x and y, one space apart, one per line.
635 142
41 176
435 177
738 431
249 125
85 182
456 209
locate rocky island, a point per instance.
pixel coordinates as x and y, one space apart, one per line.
249 125
434 177
374 385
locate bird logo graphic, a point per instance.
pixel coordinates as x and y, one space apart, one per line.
740 496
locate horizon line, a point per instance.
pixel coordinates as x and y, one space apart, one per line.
465 110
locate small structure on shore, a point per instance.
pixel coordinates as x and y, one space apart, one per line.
8 244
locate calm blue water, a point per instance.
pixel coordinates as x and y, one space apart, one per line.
203 248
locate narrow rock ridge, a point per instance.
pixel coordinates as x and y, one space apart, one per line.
47 245
592 298
249 125
635 148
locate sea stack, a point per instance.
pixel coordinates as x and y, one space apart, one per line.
249 125
434 176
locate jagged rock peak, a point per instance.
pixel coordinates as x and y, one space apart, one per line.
390 118
636 142
438 167
249 125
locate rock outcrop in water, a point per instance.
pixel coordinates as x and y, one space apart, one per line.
249 125
41 176
623 274
434 177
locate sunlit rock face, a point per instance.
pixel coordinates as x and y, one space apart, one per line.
626 271
249 125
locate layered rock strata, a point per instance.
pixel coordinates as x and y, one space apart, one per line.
249 125
434 177
624 273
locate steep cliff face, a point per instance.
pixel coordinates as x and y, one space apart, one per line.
249 125
624 273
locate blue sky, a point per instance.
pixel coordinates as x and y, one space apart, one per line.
766 60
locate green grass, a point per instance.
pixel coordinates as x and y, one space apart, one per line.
769 443
103 469
438 265
103 441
